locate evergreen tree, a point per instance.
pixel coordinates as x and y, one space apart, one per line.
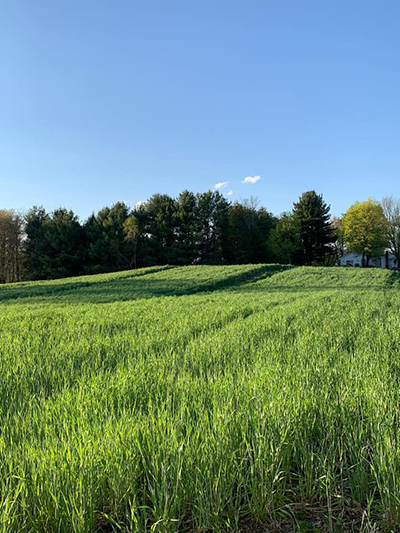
315 229
201 228
108 248
63 250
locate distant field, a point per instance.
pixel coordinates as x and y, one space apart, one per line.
201 399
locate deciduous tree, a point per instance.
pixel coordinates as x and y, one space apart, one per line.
391 209
187 231
160 229
35 244
212 226
339 244
249 230
285 239
365 229
10 246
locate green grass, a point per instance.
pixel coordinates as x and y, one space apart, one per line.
201 399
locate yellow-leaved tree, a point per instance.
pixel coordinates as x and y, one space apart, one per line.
365 229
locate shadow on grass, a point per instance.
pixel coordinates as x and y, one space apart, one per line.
259 288
61 287
394 279
130 287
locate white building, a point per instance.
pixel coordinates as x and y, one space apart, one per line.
387 260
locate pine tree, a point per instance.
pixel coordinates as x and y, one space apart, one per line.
315 229
108 249
63 248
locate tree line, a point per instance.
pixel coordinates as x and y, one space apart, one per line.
203 228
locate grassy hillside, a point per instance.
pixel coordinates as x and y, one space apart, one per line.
201 399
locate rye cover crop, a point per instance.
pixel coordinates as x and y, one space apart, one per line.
203 398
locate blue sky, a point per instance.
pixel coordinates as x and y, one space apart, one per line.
103 101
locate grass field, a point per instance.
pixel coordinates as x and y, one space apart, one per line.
201 399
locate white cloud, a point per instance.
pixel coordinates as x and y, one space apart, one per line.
221 185
229 193
140 204
251 179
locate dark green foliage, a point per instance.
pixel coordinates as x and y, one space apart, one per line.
159 226
54 244
133 233
201 228
249 231
315 229
212 212
108 248
285 238
63 245
35 243
187 228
